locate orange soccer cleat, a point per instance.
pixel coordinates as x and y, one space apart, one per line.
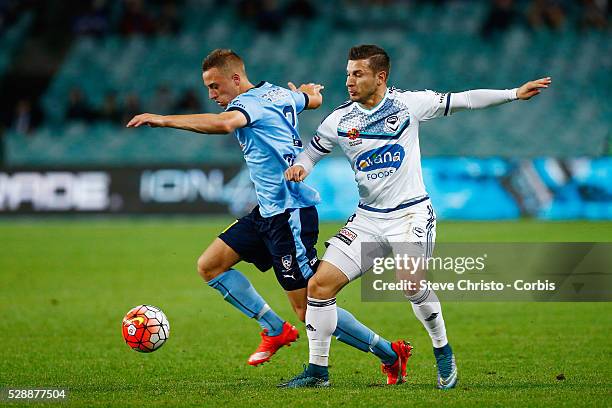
396 372
270 344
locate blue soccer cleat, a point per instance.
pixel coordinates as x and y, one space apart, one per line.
447 368
307 379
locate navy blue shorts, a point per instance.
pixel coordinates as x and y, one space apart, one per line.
285 242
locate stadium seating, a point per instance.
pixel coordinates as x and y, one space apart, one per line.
431 47
11 38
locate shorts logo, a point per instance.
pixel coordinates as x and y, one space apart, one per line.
313 261
389 156
346 235
287 260
392 123
418 231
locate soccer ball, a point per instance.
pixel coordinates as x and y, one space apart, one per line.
145 328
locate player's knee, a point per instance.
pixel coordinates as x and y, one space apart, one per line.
207 268
317 290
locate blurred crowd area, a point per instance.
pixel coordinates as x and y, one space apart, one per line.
114 109
163 17
106 73
99 18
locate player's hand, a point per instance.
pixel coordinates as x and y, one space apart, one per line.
532 88
148 119
295 173
310 88
315 99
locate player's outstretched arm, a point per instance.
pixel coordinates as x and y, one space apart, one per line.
484 98
532 88
315 99
221 123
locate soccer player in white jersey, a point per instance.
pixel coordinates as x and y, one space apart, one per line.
377 129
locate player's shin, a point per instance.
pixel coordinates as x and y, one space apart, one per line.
428 310
351 331
321 321
237 290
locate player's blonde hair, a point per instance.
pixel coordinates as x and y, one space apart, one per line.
223 59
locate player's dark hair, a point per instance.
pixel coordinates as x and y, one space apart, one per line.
378 59
222 58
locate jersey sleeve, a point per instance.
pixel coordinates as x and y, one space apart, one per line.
321 144
326 136
481 98
301 101
426 105
250 107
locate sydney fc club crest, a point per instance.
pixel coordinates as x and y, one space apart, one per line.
287 260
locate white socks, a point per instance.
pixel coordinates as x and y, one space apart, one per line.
428 310
321 321
322 318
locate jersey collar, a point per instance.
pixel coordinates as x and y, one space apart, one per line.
375 108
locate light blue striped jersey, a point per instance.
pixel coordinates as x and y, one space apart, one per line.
270 143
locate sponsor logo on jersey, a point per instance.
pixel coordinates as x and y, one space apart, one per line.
289 158
287 260
392 123
238 104
346 235
389 156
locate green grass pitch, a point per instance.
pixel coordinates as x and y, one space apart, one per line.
66 285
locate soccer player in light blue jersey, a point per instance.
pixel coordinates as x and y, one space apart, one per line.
281 232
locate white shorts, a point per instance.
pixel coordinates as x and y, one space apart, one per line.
416 227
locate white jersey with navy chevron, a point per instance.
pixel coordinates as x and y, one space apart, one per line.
382 145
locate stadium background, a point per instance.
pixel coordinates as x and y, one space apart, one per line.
73 72
71 80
